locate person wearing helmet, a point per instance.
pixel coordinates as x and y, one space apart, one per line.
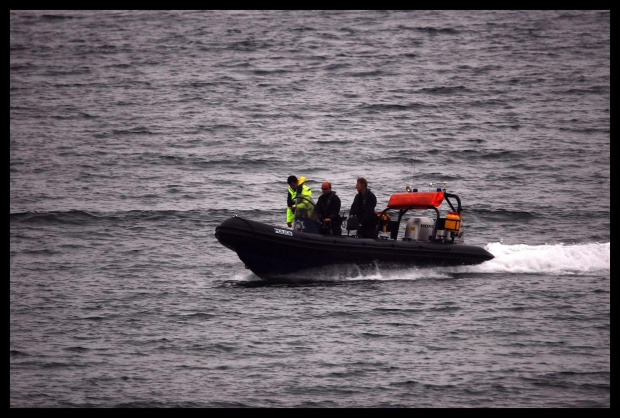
295 186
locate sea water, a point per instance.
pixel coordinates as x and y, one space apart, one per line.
133 134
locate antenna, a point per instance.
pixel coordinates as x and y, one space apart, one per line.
413 174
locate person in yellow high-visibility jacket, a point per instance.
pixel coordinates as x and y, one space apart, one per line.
295 185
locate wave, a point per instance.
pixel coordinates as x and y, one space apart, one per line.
58 17
554 259
547 259
374 107
596 89
82 217
445 90
501 215
369 73
336 66
68 217
429 29
78 115
132 131
275 71
248 45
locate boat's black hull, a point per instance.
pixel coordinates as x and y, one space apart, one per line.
271 252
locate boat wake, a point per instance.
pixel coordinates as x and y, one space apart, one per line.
545 259
558 259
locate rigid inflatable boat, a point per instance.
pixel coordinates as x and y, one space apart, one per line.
272 252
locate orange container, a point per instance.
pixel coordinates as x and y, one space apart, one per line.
453 222
415 200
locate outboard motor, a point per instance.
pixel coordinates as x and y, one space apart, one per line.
419 229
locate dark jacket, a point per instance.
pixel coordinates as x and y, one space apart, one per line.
329 206
363 208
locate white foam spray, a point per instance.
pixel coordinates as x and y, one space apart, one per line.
546 259
558 259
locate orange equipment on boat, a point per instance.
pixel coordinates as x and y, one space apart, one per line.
415 200
453 222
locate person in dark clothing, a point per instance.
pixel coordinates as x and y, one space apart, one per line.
363 208
328 207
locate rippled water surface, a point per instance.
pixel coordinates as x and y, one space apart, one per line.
134 134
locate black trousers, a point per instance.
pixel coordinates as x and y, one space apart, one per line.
367 232
331 228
